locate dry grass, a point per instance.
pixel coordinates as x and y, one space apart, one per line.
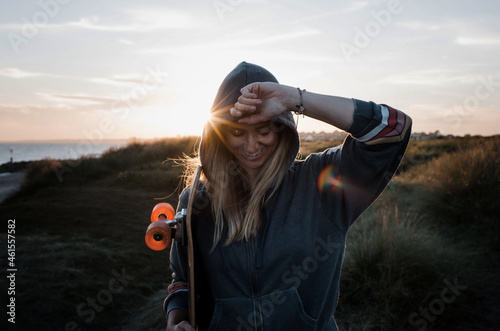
437 221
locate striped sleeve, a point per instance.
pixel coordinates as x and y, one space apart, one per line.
177 297
376 124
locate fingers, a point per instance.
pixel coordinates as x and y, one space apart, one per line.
251 117
257 103
250 91
249 95
245 92
248 100
245 106
184 326
235 112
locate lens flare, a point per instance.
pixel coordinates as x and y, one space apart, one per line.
328 179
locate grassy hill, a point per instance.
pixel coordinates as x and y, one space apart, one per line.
82 261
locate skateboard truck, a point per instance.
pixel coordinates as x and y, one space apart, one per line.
164 226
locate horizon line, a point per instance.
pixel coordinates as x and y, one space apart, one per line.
131 139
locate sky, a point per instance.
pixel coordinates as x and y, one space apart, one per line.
117 69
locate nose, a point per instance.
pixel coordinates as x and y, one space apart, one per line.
252 142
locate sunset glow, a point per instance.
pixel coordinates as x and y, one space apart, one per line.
150 69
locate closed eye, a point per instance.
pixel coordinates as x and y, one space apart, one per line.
264 131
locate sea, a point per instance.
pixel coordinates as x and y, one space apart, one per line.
58 150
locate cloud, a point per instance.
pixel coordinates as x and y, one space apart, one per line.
93 24
126 41
22 108
132 20
120 80
357 6
17 73
416 25
117 80
78 99
150 80
476 41
281 37
50 103
429 78
251 38
458 32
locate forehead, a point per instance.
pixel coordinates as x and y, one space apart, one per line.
247 127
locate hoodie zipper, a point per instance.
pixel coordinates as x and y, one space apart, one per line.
260 245
253 274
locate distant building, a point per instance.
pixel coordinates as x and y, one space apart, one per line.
340 135
312 136
433 135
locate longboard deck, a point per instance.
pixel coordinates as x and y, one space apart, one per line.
194 186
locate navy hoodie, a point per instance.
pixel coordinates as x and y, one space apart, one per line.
287 276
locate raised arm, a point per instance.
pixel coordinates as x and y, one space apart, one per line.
262 101
368 157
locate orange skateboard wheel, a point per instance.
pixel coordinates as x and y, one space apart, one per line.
158 235
163 210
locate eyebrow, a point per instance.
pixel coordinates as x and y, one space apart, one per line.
263 126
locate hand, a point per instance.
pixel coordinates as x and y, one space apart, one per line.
177 321
182 326
260 102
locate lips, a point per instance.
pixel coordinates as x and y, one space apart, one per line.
252 155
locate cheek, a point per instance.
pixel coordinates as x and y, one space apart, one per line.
232 142
272 140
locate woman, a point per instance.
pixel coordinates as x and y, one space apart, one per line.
270 230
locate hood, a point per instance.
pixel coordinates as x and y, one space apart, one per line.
229 92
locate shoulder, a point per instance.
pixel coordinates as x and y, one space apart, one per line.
315 163
328 155
201 196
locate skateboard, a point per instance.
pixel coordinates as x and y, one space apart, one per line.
165 225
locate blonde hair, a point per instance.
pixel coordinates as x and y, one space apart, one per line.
235 203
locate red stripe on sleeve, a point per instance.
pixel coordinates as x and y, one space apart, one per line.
392 123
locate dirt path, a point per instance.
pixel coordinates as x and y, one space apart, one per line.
10 182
